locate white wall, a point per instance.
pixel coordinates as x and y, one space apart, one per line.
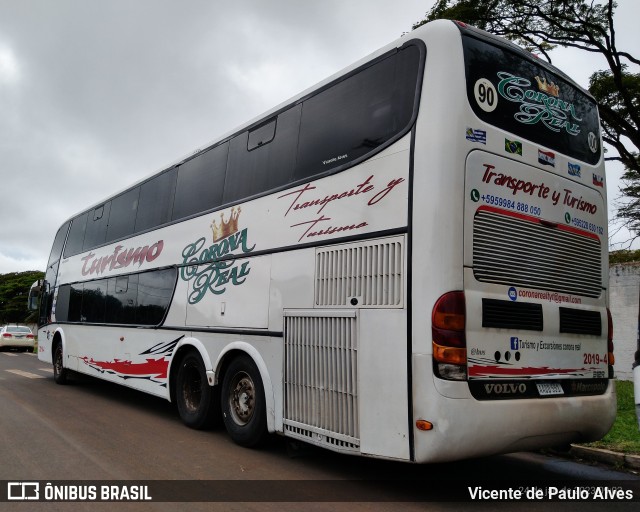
624 302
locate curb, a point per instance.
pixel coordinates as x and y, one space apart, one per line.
616 459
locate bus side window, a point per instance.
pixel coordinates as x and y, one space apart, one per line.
156 200
75 303
123 214
353 117
155 290
94 299
76 235
259 161
96 231
200 182
261 135
62 303
122 300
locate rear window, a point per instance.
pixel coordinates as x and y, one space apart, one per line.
19 330
529 99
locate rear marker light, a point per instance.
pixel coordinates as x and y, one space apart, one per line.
424 425
448 336
610 356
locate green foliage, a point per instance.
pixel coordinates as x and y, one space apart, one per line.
623 436
624 256
14 291
538 25
542 25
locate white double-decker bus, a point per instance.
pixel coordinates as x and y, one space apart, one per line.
407 261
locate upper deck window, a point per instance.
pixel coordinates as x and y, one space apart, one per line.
353 117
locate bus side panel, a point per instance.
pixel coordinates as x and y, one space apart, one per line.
382 366
136 358
221 294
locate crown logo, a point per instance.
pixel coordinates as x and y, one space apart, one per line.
226 228
547 87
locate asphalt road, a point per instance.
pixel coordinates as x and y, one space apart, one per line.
90 430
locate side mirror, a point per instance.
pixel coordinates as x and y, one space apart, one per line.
34 294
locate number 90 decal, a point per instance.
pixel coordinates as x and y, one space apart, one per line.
486 95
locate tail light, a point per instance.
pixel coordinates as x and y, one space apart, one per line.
448 336
610 357
30 336
6 335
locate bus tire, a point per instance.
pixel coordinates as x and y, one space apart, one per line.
243 403
194 396
60 373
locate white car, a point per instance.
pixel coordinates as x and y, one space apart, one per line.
17 336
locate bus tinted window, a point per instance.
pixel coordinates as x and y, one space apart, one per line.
94 297
355 116
97 221
156 200
262 135
123 214
58 243
155 290
201 182
530 100
62 303
75 303
257 168
137 299
122 300
76 235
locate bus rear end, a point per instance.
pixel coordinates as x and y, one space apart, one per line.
529 335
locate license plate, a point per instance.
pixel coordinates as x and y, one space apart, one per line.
549 388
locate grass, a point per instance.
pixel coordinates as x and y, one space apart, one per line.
624 436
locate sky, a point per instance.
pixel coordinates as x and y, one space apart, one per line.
96 95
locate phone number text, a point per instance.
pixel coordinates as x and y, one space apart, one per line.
512 205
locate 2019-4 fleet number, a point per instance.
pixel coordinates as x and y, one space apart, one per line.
595 359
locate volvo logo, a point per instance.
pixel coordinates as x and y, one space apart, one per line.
510 388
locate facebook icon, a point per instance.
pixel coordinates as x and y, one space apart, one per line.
515 342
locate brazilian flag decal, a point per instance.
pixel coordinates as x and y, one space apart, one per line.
513 146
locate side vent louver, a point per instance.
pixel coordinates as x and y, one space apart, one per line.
362 274
511 315
321 376
579 321
520 252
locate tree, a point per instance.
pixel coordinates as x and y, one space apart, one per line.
542 25
14 290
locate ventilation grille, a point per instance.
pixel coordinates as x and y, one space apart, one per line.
360 275
504 314
518 252
321 375
579 321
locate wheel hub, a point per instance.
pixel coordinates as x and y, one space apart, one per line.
242 399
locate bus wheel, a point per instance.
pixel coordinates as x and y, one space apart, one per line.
60 373
243 403
193 393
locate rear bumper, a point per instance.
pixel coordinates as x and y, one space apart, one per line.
18 343
465 427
